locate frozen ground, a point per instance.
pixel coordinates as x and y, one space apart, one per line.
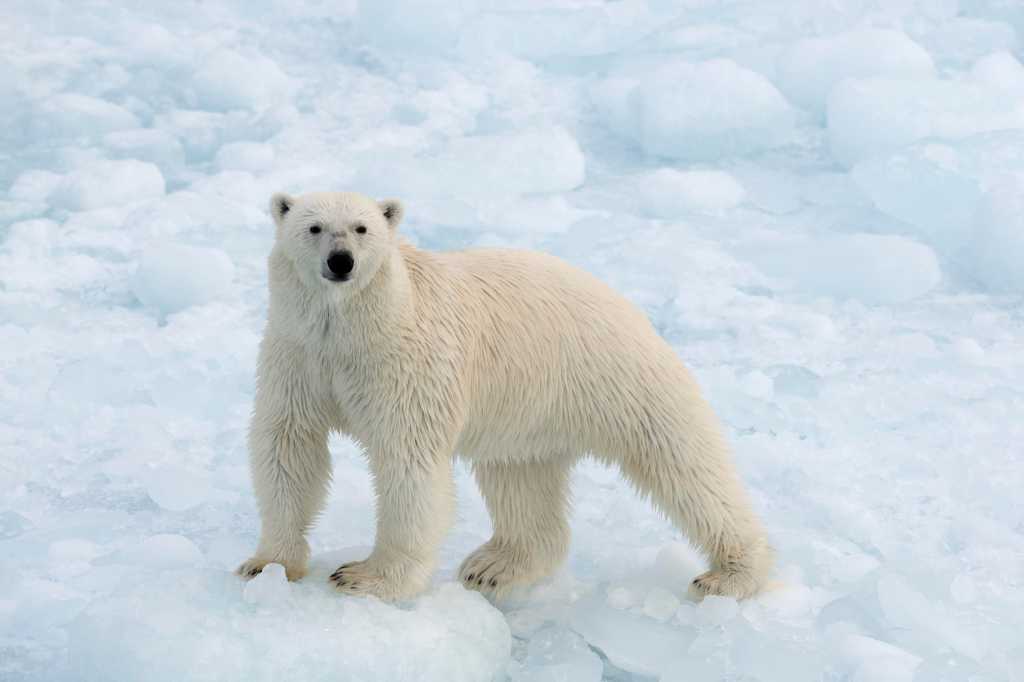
820 205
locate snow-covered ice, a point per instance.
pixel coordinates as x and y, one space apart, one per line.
809 68
172 277
820 205
695 111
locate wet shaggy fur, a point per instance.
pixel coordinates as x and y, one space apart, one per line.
514 360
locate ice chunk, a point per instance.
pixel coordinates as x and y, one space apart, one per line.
872 268
962 199
962 589
74 549
230 80
176 489
668 193
795 380
877 116
166 549
76 115
12 524
932 186
428 26
677 564
996 252
631 642
715 610
35 185
959 40
248 156
269 588
620 597
559 655
691 668
697 110
597 28
173 277
108 183
660 604
531 161
948 667
876 661
147 144
810 68
905 607
198 625
1000 71
852 567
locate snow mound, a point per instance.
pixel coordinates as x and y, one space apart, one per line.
268 588
996 253
229 80
173 277
809 69
221 630
74 115
147 144
878 116
697 110
667 193
961 198
246 156
1002 72
177 489
501 165
108 183
539 33
868 267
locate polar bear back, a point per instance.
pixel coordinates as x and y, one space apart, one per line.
554 358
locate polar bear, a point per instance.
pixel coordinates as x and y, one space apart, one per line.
514 360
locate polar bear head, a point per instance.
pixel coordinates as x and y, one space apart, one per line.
336 240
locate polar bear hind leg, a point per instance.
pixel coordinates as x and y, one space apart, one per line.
529 506
701 495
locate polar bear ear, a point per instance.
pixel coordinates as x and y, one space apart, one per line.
280 204
392 210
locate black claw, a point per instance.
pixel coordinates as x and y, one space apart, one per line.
480 581
254 571
470 577
494 583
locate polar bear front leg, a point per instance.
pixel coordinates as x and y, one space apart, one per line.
289 460
529 507
291 472
415 506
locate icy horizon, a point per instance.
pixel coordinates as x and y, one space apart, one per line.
819 205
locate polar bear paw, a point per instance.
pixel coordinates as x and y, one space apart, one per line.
254 566
387 581
724 583
495 569
358 578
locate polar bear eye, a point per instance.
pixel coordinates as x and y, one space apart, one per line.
315 229
361 229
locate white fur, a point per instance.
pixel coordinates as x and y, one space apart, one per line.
514 360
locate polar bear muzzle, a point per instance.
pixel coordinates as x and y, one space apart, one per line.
338 266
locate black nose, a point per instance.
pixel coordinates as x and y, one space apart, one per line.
340 263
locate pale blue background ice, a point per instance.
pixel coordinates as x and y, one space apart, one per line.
819 204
